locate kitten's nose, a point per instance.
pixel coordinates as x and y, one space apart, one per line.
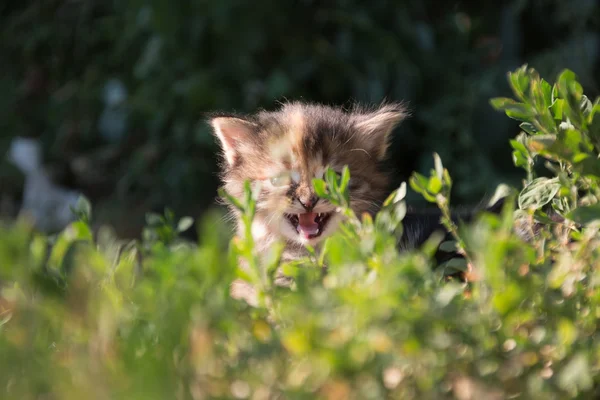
308 202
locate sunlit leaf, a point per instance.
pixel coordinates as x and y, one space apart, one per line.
538 193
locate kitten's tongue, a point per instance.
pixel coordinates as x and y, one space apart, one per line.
307 225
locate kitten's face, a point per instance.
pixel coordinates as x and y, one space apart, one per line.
284 150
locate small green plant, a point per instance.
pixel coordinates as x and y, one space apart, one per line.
164 229
84 314
560 126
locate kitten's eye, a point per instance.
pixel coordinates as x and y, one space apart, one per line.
281 180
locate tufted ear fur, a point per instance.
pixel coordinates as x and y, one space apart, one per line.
232 133
377 124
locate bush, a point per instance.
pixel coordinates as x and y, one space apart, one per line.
86 315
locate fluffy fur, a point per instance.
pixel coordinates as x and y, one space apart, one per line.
284 150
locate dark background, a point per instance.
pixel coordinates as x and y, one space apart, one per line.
171 61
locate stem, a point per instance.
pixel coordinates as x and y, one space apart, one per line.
530 170
449 224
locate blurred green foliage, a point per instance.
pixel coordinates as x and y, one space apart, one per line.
87 315
163 63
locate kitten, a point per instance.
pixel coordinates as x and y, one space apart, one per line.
287 148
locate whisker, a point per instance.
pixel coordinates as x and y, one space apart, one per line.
349 139
270 219
359 149
228 217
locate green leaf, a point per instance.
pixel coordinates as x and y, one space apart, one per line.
435 185
538 193
555 95
345 179
557 108
169 215
320 188
439 167
292 268
565 81
454 265
396 196
521 154
184 224
586 105
519 81
575 141
400 192
501 103
507 300
520 112
538 96
73 255
400 211
571 91
566 332
248 193
154 219
588 166
540 143
594 124
585 214
546 92
419 184
230 199
529 128
502 191
83 209
447 179
447 293
519 159
332 178
449 246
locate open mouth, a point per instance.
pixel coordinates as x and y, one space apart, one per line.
309 225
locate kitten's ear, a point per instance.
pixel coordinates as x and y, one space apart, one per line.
376 126
232 132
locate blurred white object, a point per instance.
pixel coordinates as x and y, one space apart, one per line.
48 204
113 121
115 93
25 153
